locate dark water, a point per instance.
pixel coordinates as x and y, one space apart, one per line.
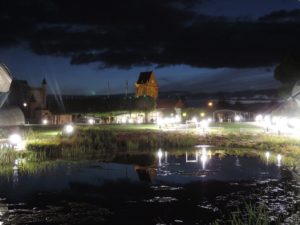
158 188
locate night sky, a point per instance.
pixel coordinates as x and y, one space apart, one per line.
192 45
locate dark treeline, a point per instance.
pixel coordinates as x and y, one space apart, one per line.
85 104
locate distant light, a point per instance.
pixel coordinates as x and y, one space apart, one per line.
184 114
15 139
140 120
194 120
177 119
237 118
25 104
210 104
275 119
258 118
204 124
202 114
69 129
209 120
45 121
91 121
123 119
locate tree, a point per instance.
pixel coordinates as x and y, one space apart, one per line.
288 72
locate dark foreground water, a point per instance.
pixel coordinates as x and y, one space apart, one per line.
157 188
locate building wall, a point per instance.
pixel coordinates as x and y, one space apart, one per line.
62 119
149 89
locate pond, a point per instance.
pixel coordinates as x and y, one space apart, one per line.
195 186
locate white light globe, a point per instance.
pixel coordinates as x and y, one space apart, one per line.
45 121
15 139
69 129
237 118
91 121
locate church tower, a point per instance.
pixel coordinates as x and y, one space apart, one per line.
44 89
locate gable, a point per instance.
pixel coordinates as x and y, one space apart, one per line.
144 77
152 80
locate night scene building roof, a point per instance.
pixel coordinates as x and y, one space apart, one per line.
169 103
144 77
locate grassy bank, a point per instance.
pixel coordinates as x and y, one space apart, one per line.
111 138
48 142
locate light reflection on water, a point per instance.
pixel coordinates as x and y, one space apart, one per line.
209 180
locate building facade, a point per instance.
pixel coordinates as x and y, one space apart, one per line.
146 85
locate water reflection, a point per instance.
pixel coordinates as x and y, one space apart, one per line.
16 166
267 154
162 155
237 162
145 173
279 158
191 157
198 157
3 210
202 181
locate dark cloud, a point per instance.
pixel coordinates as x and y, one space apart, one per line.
282 16
140 32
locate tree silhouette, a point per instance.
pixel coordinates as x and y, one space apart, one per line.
288 71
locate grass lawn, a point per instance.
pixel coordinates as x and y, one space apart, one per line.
245 127
45 132
141 137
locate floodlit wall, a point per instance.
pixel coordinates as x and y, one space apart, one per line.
11 117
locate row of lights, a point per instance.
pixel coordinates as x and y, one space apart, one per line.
17 142
90 121
280 124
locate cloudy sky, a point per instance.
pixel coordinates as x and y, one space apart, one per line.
192 45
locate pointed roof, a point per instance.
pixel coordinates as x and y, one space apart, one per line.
44 81
144 77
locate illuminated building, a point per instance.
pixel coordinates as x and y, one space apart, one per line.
146 85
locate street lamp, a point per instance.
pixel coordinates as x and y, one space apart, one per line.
210 104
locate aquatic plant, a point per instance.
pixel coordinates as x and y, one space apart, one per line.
251 215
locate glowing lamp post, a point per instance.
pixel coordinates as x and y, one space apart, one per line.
91 121
68 129
45 121
210 104
16 141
